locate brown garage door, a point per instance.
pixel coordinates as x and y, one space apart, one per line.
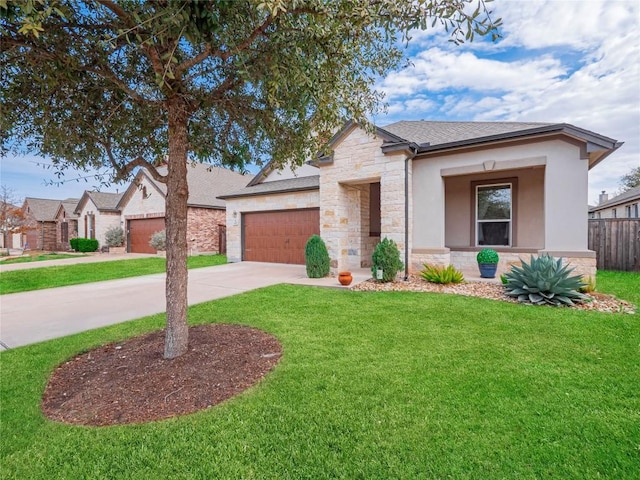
140 232
278 237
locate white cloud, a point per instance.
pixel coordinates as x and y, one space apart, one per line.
560 61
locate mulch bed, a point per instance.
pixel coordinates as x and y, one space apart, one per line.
495 291
131 382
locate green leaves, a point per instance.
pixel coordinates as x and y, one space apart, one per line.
441 274
544 280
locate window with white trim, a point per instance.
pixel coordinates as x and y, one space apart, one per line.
494 215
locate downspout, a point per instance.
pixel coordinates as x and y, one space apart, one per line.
406 212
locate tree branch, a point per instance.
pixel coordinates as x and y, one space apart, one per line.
151 52
123 171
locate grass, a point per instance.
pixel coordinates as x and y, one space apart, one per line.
40 258
63 275
371 386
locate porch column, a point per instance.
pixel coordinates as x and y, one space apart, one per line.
566 219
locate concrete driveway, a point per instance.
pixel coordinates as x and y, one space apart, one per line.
32 317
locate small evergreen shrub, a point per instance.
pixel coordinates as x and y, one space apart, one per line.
159 240
114 237
316 257
386 256
84 244
441 274
544 280
488 255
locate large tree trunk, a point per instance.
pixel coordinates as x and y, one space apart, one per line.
177 334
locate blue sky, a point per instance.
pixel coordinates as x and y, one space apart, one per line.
559 61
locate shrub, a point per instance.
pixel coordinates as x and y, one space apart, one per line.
114 237
441 274
488 255
544 280
316 257
84 244
159 240
386 256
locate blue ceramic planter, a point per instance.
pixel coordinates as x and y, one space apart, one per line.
488 270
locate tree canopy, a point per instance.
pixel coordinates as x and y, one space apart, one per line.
135 83
630 180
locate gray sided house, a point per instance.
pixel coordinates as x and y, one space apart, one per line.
625 205
440 190
142 207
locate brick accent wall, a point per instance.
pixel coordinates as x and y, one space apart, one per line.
203 229
43 236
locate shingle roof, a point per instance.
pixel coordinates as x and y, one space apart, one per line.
43 209
105 200
207 183
629 195
279 186
69 205
440 133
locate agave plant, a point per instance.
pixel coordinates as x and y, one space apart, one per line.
544 280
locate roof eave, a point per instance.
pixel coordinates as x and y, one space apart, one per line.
271 192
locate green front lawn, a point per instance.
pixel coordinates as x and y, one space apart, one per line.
40 258
370 386
63 275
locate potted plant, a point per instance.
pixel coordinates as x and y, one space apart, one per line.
114 238
487 262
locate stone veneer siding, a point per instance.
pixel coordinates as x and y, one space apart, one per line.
358 161
583 263
262 203
203 229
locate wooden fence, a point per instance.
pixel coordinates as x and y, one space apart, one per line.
616 242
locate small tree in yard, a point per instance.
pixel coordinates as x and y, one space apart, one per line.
316 258
12 217
386 257
101 83
159 240
114 237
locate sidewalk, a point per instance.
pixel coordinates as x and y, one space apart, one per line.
31 317
89 258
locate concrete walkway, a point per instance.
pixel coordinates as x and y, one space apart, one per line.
89 258
31 317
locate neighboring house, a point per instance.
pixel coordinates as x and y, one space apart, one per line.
625 205
41 221
96 213
440 190
143 208
66 223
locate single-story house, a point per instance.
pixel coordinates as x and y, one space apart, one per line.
96 213
625 205
40 214
66 223
142 207
440 190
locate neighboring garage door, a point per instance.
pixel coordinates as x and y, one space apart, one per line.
278 237
140 232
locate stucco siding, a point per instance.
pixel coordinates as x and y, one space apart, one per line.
528 218
554 206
